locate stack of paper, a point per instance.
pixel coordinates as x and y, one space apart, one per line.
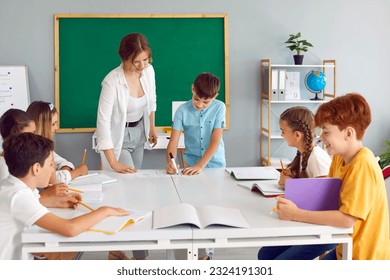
93 178
88 192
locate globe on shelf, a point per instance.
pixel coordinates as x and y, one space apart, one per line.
315 82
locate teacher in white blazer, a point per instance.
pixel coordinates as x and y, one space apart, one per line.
127 105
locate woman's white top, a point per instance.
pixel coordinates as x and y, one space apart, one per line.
135 108
112 110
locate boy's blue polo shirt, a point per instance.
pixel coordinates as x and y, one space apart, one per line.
198 127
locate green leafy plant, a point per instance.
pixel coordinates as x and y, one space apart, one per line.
295 44
385 157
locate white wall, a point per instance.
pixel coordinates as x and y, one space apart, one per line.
354 32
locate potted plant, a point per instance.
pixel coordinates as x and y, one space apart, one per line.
298 45
385 157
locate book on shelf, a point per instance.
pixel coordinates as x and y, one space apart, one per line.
89 192
254 173
114 224
315 194
268 188
293 91
201 217
93 178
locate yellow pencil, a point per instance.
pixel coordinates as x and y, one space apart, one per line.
281 164
74 190
86 206
274 209
84 156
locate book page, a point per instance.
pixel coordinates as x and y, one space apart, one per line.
254 173
175 215
113 224
266 187
218 215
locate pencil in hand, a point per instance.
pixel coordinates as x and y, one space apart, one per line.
86 206
84 156
281 164
74 190
274 209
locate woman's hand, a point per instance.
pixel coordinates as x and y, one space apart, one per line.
122 168
153 137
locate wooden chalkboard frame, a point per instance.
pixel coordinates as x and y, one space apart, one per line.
65 97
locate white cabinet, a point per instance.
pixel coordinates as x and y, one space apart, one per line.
287 89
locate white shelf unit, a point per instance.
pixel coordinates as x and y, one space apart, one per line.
271 142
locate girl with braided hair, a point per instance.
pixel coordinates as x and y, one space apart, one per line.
297 126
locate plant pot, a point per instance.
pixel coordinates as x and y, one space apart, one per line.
298 59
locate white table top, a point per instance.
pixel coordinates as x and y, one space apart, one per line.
211 187
217 187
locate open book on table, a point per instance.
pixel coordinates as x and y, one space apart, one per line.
114 224
315 194
201 216
268 188
254 173
93 178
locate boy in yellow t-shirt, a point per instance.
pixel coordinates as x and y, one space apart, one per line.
363 200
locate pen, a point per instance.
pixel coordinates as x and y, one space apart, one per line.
86 206
174 163
74 190
84 156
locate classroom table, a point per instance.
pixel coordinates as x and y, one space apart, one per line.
217 187
130 192
211 187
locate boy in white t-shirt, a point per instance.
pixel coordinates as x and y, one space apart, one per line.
29 158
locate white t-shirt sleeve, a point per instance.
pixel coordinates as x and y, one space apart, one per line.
26 208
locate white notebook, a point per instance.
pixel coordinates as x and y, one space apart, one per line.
267 187
201 216
254 173
93 178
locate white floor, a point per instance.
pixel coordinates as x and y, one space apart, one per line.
219 254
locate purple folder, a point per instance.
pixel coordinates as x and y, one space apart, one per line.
314 193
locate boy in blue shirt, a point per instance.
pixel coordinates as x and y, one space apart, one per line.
202 118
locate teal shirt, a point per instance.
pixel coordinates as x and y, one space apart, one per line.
198 126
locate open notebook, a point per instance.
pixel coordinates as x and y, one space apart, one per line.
114 224
254 173
268 188
200 217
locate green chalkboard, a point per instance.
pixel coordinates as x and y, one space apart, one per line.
86 50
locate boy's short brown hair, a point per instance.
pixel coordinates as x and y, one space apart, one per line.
348 110
206 86
23 150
